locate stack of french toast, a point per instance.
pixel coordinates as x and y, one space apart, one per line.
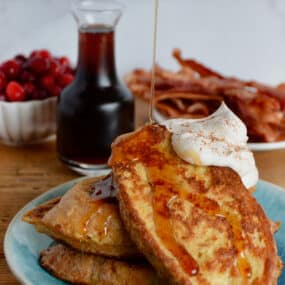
92 246
170 222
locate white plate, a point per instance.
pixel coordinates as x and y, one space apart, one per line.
267 146
253 146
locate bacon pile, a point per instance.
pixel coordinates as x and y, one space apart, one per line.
196 91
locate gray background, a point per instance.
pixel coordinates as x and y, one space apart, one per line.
237 37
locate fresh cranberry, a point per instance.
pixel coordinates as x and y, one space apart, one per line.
73 71
39 65
55 91
64 61
67 69
30 89
11 68
65 79
40 95
3 81
33 53
15 92
47 82
27 76
44 53
20 58
54 67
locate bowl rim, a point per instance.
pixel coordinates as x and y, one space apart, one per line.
29 101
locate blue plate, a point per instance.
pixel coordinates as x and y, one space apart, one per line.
22 243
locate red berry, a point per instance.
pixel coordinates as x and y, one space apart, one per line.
73 71
67 69
39 65
11 68
20 58
40 95
54 67
65 79
29 88
47 82
2 97
15 92
55 91
41 53
27 76
3 81
33 53
44 53
64 61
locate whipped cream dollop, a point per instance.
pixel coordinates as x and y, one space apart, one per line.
217 140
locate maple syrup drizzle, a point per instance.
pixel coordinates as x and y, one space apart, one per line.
152 89
165 231
98 207
89 210
164 189
212 208
103 216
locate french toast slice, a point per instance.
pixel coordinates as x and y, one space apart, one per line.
83 222
196 225
88 269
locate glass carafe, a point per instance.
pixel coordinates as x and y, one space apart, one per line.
96 107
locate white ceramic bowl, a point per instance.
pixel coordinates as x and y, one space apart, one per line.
27 122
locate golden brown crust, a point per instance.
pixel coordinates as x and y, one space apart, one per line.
35 215
206 211
86 224
87 269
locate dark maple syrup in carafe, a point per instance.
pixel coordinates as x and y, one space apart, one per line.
96 107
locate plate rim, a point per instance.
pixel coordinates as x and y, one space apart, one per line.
23 279
267 146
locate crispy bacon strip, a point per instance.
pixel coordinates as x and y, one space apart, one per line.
195 65
164 95
196 91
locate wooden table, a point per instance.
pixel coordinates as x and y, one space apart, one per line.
26 172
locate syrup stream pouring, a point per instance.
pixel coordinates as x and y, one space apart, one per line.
152 90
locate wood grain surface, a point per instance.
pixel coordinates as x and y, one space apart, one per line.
26 172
